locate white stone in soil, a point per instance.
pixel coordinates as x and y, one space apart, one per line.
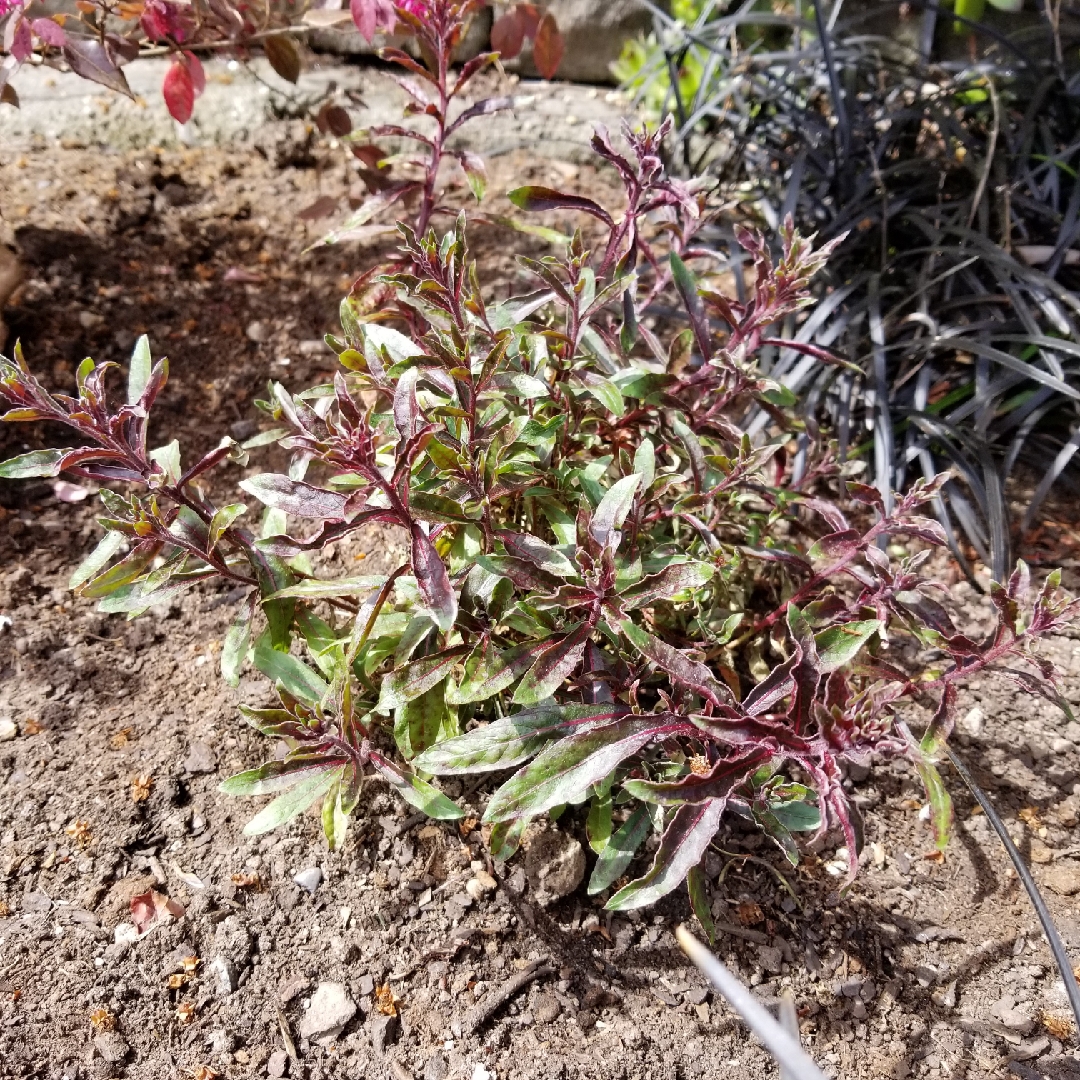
309 879
330 1010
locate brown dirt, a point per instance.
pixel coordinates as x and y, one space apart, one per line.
923 968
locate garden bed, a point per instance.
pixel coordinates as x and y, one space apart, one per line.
925 967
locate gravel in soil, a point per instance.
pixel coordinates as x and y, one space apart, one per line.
408 954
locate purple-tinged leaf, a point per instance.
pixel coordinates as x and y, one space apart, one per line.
124 572
405 683
669 582
109 545
608 518
839 645
829 511
539 553
620 849
433 581
867 494
534 199
36 463
553 667
699 320
47 31
548 47
923 528
417 792
496 672
296 497
717 783
835 547
525 575
796 562
776 686
407 418
89 59
487 107
506 837
565 770
275 724
677 666
685 841
512 740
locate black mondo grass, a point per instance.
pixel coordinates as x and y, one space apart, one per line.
954 184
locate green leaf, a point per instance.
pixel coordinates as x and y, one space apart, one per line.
419 721
97 560
609 516
281 667
839 645
598 823
316 589
796 815
685 841
696 885
669 582
417 792
564 771
294 802
234 648
606 392
539 553
36 463
139 370
222 520
495 672
335 821
645 463
941 807
512 740
167 458
619 850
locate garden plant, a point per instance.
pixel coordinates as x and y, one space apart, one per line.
613 589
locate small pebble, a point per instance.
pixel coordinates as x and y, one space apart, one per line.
309 879
8 730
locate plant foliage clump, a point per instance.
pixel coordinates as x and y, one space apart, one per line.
612 589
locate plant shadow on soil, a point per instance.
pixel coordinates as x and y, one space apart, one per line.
98 702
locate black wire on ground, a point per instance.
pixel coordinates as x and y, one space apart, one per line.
1057 947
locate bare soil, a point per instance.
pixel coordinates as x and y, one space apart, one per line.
925 967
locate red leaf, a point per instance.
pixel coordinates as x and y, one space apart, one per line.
195 70
548 48
529 15
179 92
508 35
153 908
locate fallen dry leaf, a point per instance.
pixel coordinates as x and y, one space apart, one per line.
177 981
140 787
185 1011
699 765
190 963
386 1001
1029 815
102 1020
466 826
119 739
5 911
151 909
246 881
32 727
79 831
1060 1027
749 914
204 1072
935 856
